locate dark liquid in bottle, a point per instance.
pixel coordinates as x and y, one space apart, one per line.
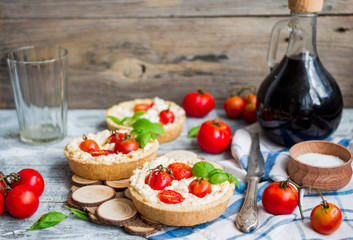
299 101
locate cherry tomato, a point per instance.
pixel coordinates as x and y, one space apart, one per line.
114 137
180 170
198 104
249 113
326 218
21 202
2 190
214 136
100 152
166 116
126 145
142 107
234 107
200 187
2 204
249 98
280 198
159 180
170 197
32 179
88 144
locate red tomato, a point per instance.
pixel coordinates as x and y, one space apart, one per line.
280 198
32 179
249 113
159 180
21 202
114 137
166 117
88 144
198 104
249 98
126 145
180 170
170 197
214 136
100 152
2 190
2 204
200 187
234 107
142 107
326 218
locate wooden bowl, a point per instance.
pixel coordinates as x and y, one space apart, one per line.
328 178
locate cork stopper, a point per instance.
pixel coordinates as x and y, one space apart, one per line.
305 5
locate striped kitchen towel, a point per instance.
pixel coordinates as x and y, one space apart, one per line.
270 227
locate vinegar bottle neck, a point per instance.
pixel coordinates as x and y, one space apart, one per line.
302 39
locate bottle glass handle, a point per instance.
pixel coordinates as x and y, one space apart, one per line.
272 49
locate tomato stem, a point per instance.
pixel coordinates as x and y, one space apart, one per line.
84 137
216 123
200 91
309 188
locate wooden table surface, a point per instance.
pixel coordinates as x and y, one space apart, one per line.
50 161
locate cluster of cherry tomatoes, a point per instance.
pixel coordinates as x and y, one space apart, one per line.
19 193
282 198
123 143
162 177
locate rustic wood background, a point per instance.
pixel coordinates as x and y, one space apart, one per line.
124 49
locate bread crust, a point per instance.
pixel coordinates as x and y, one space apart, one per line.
109 170
170 134
185 216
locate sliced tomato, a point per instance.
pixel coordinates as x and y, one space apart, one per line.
114 138
100 152
180 170
142 107
159 180
170 197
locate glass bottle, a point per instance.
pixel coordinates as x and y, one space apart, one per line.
299 100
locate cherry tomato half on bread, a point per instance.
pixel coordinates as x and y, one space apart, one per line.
170 197
234 107
100 152
214 136
88 144
143 107
22 202
115 136
166 116
180 170
198 104
326 218
159 180
200 187
32 179
126 145
280 198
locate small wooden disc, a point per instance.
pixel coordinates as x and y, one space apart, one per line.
80 182
127 193
117 211
92 195
143 231
150 222
118 185
72 204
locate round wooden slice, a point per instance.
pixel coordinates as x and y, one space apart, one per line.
127 194
117 211
118 185
150 222
143 231
92 195
80 182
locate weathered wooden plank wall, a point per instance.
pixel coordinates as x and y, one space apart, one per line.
124 49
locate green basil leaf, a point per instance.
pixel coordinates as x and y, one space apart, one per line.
218 178
133 118
202 169
193 132
78 213
48 220
115 120
231 178
151 127
216 170
144 139
154 136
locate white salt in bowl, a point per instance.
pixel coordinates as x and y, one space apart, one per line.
318 173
